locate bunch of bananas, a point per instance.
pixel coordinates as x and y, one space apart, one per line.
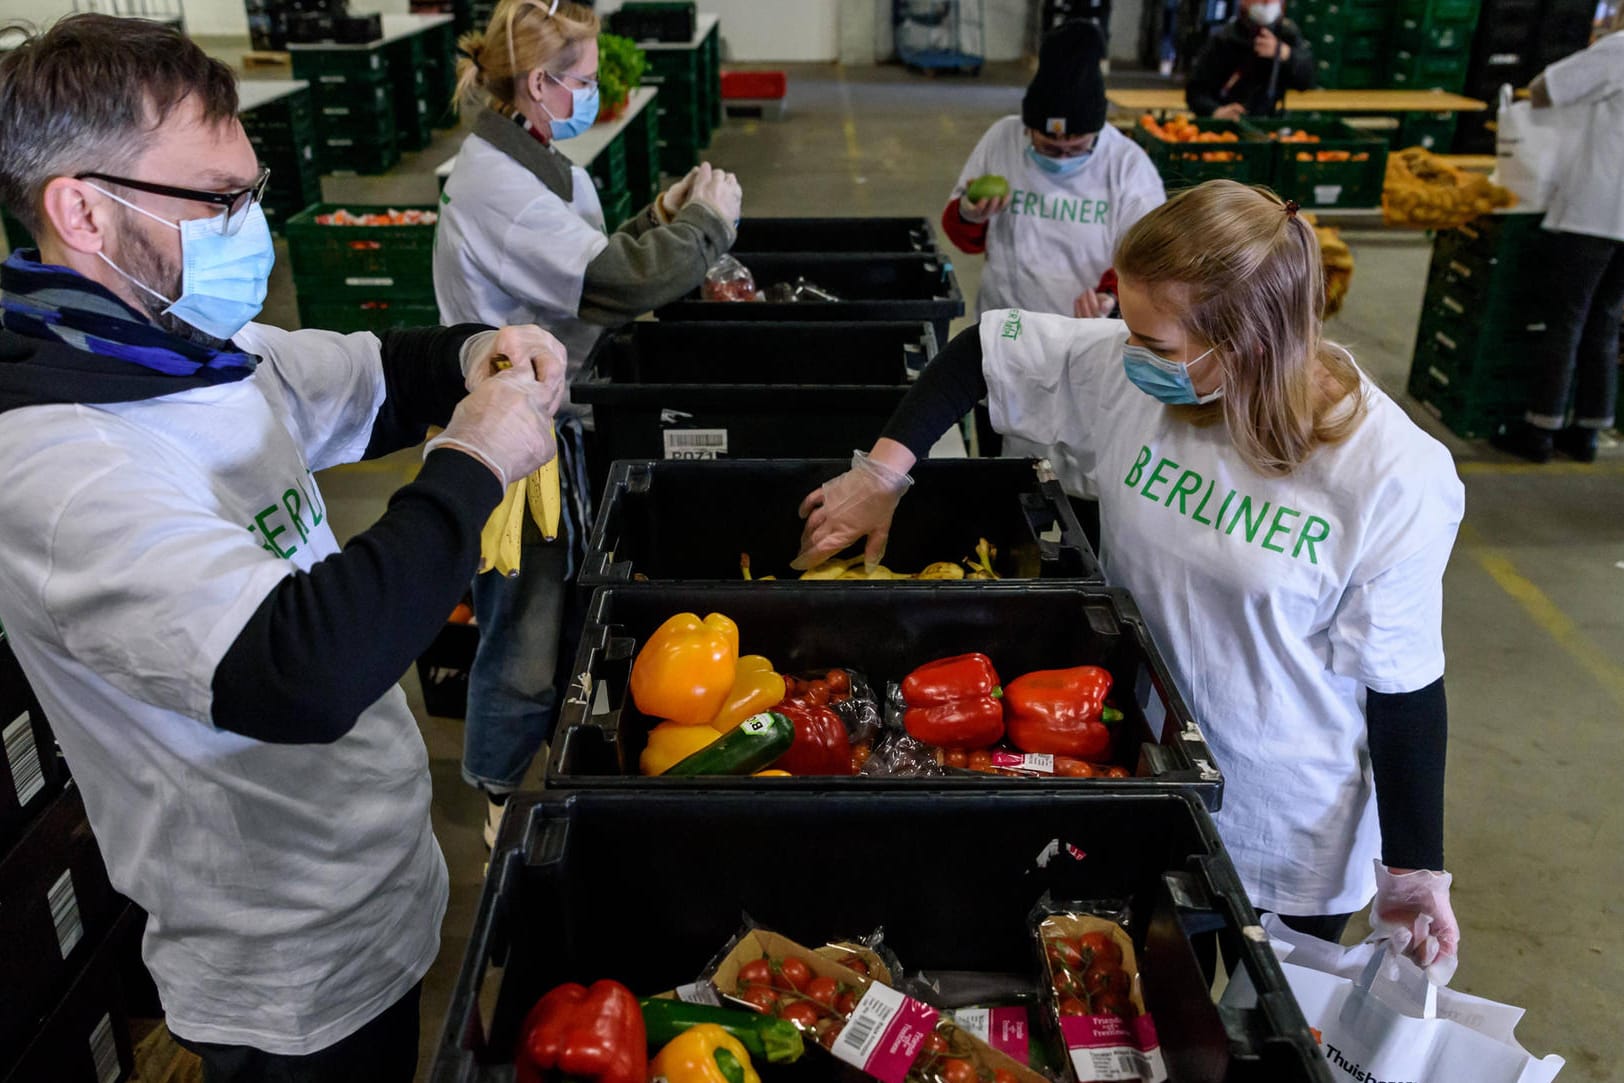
499 542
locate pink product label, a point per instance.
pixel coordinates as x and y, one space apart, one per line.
1033 762
885 1033
1007 1033
1107 1049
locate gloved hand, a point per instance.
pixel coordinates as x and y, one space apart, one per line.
522 346
1092 305
674 197
983 211
718 190
506 423
1412 911
860 501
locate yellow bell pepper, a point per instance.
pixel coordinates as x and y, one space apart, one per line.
704 1054
672 741
686 669
772 774
756 688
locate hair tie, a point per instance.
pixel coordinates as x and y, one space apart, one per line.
1292 208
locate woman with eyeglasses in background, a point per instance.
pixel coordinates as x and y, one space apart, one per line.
521 236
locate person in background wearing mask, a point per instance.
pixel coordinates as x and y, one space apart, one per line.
220 674
521 238
1249 63
1076 186
1281 522
1577 283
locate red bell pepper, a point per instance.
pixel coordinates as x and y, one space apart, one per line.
1058 711
822 745
592 1034
954 703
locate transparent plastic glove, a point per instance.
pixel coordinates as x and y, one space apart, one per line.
520 345
720 191
674 197
506 423
1413 914
857 503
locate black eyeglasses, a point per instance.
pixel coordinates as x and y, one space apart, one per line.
231 219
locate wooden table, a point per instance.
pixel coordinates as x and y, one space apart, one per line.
1327 101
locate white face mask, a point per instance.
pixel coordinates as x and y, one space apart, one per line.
1264 14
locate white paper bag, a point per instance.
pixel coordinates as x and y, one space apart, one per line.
1531 149
1377 1028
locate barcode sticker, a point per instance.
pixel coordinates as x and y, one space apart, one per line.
22 757
1109 1049
695 443
699 992
65 913
104 1050
885 1034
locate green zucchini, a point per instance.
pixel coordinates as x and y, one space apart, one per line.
765 1036
749 747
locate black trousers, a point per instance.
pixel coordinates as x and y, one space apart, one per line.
383 1051
1324 926
1578 288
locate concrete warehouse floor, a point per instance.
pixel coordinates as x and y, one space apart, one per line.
1535 613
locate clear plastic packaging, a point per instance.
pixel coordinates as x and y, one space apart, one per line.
730 280
798 291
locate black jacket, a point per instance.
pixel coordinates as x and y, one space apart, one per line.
1228 70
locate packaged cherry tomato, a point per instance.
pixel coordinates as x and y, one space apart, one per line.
1093 992
868 955
730 280
858 1019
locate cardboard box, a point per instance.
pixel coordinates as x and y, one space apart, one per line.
887 1035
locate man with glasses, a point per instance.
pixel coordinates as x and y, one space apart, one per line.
220 674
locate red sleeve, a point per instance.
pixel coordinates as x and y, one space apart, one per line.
1108 282
969 237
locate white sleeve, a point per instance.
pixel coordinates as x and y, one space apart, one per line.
329 386
1143 192
1588 75
1387 632
1042 373
545 252
145 581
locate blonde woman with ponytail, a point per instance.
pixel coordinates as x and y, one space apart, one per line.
521 240
1281 522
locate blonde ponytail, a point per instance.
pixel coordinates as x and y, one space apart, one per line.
523 35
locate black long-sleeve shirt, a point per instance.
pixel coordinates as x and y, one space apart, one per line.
325 644
1228 69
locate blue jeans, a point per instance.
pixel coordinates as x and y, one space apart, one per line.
511 692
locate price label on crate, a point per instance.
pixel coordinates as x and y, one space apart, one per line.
70 929
22 757
695 443
885 1033
1327 193
104 1051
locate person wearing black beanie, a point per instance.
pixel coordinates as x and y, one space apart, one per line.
1054 188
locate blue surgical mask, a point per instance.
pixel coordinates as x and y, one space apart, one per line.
224 274
583 111
1160 378
1059 167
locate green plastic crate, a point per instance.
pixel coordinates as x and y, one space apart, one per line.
383 314
1428 71
615 213
712 47
642 156
1434 131
1446 10
1355 182
333 66
608 170
1467 410
288 119
373 97
384 259
1424 35
1185 165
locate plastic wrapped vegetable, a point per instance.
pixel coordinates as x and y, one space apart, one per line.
686 669
730 280
1094 991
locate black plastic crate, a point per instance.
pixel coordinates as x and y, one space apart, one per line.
86 1037
886 634
663 21
558 905
870 288
443 670
30 773
657 520
56 904
890 236
746 390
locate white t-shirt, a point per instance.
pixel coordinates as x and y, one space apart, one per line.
1277 601
1589 193
1059 234
508 251
295 891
